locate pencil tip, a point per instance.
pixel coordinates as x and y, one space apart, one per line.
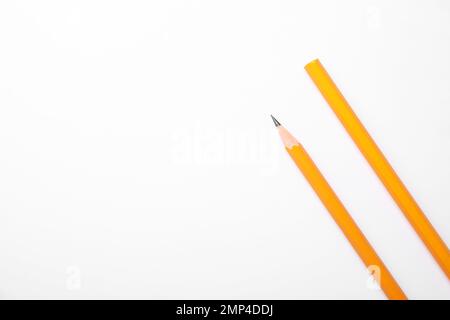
277 124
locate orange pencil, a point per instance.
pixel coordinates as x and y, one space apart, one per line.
340 214
380 165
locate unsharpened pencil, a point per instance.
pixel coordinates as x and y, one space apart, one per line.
380 164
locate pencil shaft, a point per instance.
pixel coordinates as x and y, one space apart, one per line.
345 221
380 165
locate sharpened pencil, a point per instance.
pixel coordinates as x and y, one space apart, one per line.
339 214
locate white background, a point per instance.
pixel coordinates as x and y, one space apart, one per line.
138 158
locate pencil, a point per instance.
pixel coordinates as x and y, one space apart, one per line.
380 165
340 214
